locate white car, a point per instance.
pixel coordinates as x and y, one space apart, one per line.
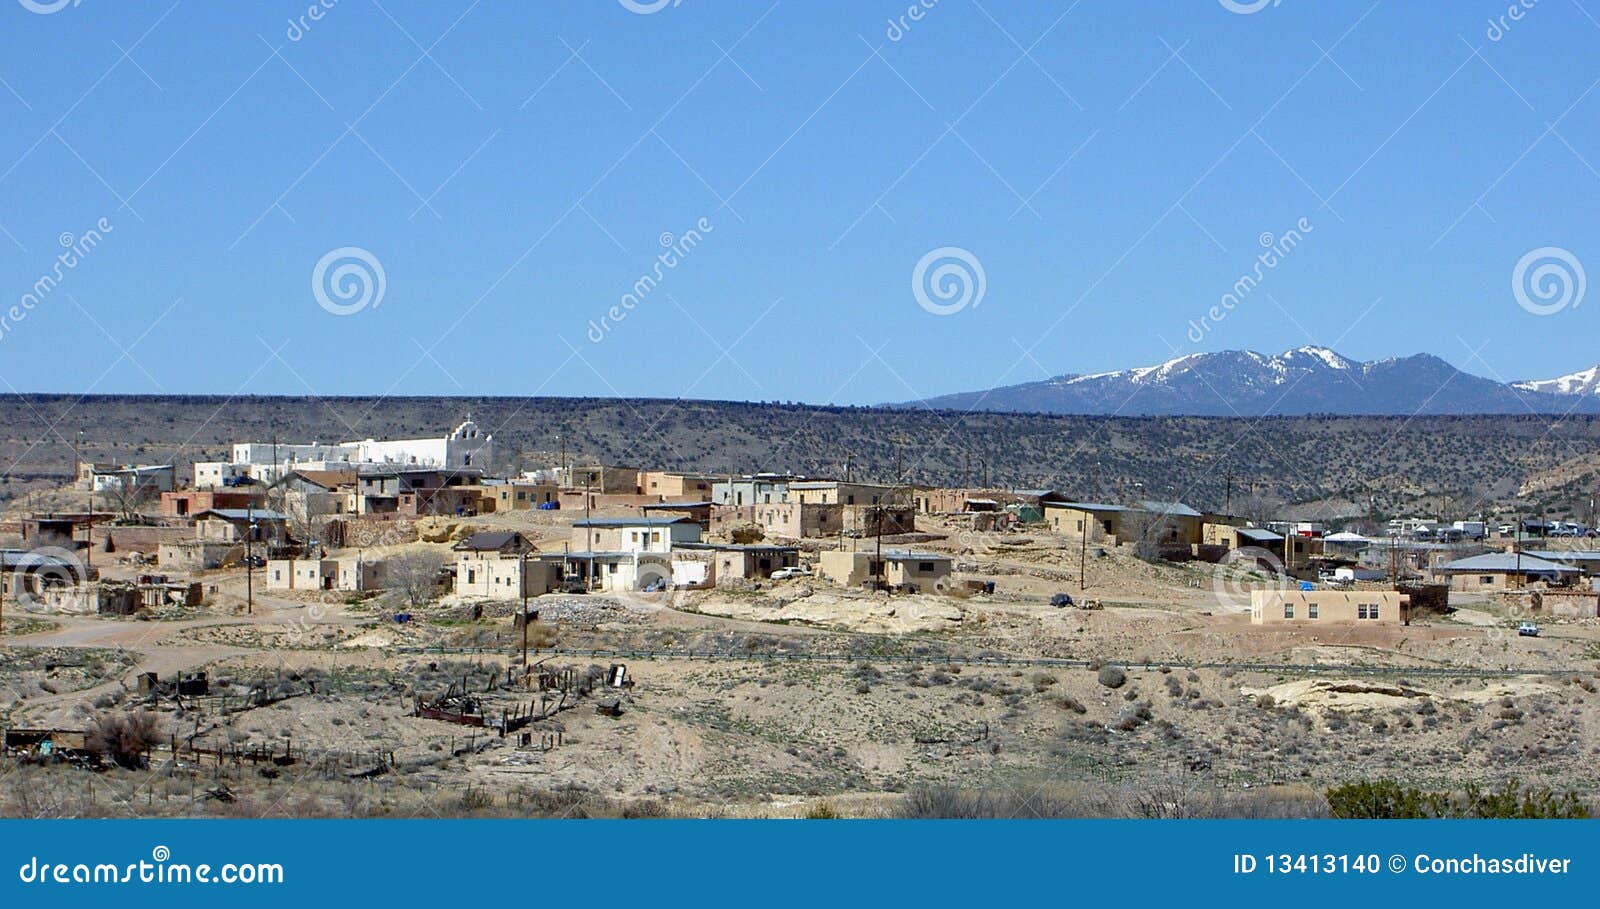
785 574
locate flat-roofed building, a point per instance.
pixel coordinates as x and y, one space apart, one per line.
1327 607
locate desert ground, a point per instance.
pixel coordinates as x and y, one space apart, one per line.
797 699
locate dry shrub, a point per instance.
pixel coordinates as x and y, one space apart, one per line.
123 738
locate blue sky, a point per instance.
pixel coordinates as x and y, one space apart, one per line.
514 168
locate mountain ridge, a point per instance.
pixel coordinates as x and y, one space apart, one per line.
1301 381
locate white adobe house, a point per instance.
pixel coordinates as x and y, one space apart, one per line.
465 446
267 462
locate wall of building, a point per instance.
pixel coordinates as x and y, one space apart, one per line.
927 575
1326 607
635 538
489 575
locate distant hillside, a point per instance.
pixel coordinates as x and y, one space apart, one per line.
1333 465
1306 380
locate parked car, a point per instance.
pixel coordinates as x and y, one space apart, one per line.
1528 630
785 574
1062 600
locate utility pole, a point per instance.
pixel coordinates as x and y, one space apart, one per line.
522 583
588 531
879 556
1083 552
1516 543
249 559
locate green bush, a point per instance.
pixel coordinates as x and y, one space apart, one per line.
1388 800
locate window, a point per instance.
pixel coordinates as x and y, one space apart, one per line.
1288 610
1311 610
925 567
1485 579
472 574
1080 526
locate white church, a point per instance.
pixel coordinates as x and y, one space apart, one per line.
466 446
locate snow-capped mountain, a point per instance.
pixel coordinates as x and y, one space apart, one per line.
1586 382
1305 380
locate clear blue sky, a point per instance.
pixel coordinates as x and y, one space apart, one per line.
513 167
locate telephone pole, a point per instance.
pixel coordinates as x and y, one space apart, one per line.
522 583
249 560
